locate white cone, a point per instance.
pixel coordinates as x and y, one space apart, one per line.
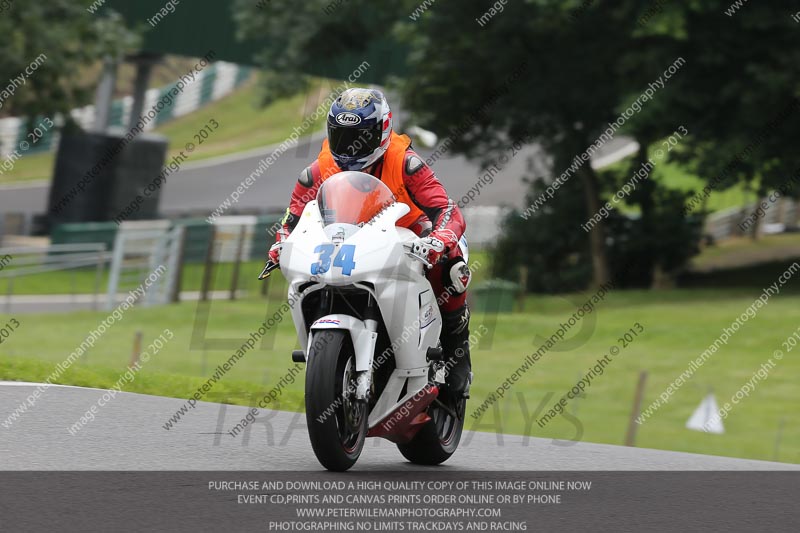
706 417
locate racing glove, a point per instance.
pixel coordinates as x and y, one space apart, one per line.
436 245
275 250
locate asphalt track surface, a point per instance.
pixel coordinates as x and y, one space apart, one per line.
202 186
128 434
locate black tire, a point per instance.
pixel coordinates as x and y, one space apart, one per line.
438 440
339 437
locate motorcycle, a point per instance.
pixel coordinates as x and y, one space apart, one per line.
368 324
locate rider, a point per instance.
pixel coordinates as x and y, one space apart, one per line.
360 138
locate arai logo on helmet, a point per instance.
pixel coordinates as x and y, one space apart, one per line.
348 119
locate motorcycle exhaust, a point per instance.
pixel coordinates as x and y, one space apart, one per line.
402 424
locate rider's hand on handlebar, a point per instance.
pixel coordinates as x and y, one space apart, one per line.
275 253
435 246
275 249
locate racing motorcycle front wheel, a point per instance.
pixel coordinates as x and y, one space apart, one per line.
337 422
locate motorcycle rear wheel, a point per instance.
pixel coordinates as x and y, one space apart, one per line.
337 423
438 440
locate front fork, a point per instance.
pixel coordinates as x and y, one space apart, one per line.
364 377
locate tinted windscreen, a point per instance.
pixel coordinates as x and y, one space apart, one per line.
352 198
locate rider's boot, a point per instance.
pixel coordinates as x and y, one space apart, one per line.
455 347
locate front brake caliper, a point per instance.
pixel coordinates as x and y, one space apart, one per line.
362 385
439 372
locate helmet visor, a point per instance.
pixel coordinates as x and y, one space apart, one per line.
354 142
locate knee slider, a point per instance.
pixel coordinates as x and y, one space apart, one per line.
457 275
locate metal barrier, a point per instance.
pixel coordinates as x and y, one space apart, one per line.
28 261
781 215
142 248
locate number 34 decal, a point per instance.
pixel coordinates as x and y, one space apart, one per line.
343 259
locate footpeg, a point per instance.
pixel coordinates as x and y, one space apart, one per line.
299 356
434 353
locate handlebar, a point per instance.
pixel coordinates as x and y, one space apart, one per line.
410 252
420 259
269 267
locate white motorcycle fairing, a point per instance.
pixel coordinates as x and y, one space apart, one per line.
373 258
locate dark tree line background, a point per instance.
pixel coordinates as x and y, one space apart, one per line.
59 84
587 64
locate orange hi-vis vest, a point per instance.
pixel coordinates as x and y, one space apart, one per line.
391 173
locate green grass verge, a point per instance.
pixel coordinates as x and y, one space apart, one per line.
154 383
678 324
242 125
674 176
83 281
31 167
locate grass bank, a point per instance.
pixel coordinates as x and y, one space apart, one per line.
678 326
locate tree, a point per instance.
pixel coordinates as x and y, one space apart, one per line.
66 38
561 71
553 265
314 36
736 93
565 99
